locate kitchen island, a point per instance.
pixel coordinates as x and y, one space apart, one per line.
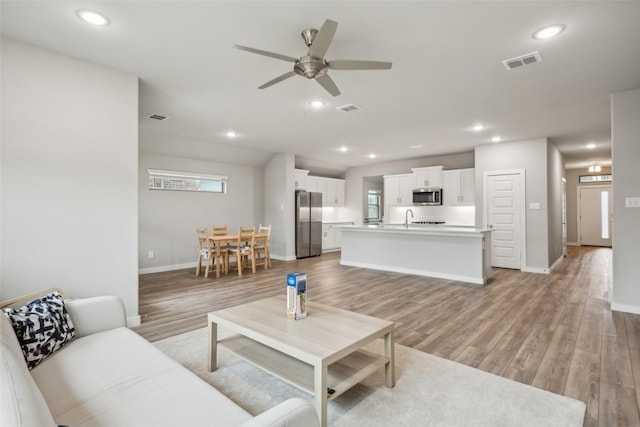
446 252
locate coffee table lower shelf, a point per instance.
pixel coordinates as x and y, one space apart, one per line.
341 375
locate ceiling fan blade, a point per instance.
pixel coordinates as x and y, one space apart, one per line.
351 64
323 39
266 53
277 79
326 82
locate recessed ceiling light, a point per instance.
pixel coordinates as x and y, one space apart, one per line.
548 32
317 104
591 146
343 149
478 127
231 134
413 147
92 17
372 156
496 139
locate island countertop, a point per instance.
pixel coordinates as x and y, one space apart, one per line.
456 253
443 230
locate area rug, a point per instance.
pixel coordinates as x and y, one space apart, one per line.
429 391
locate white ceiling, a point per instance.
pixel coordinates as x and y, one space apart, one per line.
447 74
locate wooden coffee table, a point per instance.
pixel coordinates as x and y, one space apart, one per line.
321 354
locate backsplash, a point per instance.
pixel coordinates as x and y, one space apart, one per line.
452 215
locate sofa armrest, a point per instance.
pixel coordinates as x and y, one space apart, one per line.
294 412
97 314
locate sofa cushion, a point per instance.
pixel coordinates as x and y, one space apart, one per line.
21 403
116 378
42 326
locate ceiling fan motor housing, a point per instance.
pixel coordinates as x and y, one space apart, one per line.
310 67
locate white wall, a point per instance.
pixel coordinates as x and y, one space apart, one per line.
530 155
625 109
555 173
279 205
69 176
168 219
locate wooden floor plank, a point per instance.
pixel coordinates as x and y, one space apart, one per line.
556 331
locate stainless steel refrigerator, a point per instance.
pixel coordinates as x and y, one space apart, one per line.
308 224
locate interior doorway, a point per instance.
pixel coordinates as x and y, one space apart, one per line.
595 215
503 213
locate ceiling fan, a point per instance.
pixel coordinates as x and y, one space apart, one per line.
313 65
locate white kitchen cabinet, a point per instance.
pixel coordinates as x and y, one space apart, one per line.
300 179
331 238
458 187
332 189
335 192
398 190
427 177
313 184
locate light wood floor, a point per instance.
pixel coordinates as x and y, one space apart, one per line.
555 332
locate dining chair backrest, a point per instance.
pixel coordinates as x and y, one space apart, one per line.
264 229
219 231
247 231
203 237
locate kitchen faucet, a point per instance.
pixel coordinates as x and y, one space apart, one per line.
406 217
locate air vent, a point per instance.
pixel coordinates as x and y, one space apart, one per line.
521 61
157 117
349 108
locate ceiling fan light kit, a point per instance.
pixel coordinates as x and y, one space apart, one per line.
313 66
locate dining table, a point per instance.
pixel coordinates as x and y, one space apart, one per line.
220 240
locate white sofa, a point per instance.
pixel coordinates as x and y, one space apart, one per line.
110 376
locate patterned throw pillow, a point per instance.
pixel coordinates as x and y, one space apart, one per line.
43 326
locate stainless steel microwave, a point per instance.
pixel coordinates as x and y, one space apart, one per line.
427 196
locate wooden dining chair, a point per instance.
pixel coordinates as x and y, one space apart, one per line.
222 230
207 252
203 248
244 249
261 248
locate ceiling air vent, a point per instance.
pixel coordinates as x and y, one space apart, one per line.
157 117
521 61
349 108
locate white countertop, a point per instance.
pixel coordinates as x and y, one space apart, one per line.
448 230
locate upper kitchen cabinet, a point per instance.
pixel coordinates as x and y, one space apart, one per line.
458 187
332 189
398 189
336 191
300 179
427 177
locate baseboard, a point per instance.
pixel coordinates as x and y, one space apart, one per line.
557 263
625 308
133 321
283 258
163 268
573 244
535 270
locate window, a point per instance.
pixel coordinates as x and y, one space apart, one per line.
373 204
595 178
186 181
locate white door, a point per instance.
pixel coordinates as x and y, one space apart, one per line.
595 214
503 215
